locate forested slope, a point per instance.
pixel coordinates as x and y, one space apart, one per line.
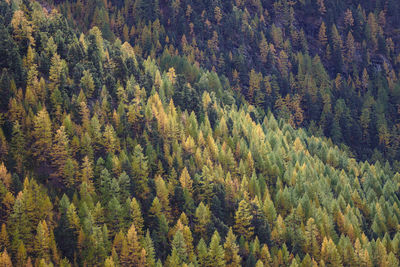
330 66
109 158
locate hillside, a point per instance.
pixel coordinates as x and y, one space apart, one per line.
329 66
111 157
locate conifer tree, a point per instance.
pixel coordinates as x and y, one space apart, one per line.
42 136
60 154
149 247
202 252
243 218
322 35
42 241
4 240
136 216
202 220
21 257
5 259
179 250
18 146
87 83
263 46
140 173
216 253
185 180
5 176
232 257
131 250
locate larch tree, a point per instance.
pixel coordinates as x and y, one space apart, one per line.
4 239
218 14
232 258
179 250
18 146
42 241
60 154
243 218
216 253
42 136
264 48
202 219
5 176
140 171
348 18
131 249
185 180
87 83
322 35
350 48
111 141
5 259
136 216
202 252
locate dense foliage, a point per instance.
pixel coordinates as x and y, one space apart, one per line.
120 155
327 65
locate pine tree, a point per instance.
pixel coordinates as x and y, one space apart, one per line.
278 233
32 206
213 42
111 141
254 84
3 146
5 260
186 181
5 176
336 39
171 75
21 257
232 257
140 173
348 18
18 146
216 253
87 83
131 250
365 79
350 47
243 218
60 154
150 252
311 238
109 262
4 240
329 253
136 216
55 73
202 219
322 35
179 250
42 137
283 63
202 252
87 173
263 46
163 195
42 241
217 14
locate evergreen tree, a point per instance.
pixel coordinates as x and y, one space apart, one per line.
216 253
243 220
232 257
42 137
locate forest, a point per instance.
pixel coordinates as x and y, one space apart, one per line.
199 133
